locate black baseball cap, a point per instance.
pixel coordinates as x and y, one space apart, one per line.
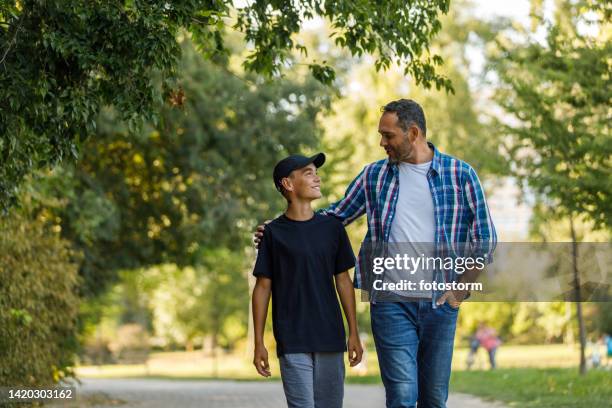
284 167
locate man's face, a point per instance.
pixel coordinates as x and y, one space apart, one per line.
304 182
397 143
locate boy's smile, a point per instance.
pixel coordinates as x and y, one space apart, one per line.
304 183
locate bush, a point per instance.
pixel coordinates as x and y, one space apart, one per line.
38 303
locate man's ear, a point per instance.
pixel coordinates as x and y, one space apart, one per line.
413 133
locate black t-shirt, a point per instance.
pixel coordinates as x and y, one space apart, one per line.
301 258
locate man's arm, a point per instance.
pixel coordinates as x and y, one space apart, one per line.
482 231
353 204
345 290
347 209
261 299
483 236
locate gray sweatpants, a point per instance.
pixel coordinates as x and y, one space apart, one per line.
313 380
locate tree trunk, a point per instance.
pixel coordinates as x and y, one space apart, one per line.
215 324
569 331
578 298
215 339
215 356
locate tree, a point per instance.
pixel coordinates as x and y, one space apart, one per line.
184 305
557 96
200 178
63 61
219 304
454 121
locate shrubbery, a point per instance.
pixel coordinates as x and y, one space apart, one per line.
38 303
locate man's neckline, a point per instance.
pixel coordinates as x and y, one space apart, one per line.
424 164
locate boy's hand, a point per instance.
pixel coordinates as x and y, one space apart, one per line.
355 351
261 361
258 234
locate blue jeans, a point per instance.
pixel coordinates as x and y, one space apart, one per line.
313 380
414 343
492 357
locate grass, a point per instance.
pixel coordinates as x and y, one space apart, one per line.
530 387
538 376
238 366
538 388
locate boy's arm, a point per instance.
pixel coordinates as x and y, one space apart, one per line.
345 289
261 299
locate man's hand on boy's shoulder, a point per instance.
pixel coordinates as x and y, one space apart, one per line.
355 350
260 360
258 235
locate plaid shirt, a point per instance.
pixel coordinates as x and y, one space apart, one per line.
461 214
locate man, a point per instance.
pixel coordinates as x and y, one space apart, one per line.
300 256
417 195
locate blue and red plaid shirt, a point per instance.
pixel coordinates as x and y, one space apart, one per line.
461 213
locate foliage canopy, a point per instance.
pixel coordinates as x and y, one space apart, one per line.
62 61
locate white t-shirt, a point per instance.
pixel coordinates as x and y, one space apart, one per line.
413 225
414 212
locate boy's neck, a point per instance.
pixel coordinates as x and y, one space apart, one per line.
299 210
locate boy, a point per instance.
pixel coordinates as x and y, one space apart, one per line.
300 255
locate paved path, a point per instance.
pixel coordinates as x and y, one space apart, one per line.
158 393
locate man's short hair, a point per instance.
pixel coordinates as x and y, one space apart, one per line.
408 112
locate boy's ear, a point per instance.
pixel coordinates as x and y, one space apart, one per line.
287 184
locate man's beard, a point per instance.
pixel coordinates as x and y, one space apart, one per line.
399 156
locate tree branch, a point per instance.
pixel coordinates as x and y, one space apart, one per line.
10 45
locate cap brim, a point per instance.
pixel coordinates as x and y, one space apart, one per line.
318 159
299 162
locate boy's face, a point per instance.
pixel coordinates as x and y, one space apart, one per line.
304 183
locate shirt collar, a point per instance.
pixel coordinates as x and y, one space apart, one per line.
436 160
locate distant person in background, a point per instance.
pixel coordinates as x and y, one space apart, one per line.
487 337
595 352
474 344
608 341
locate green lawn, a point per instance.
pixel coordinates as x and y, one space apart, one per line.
184 364
530 387
538 388
538 376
